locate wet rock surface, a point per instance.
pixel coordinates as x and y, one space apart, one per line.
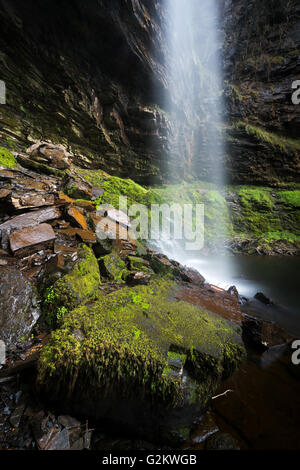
19 305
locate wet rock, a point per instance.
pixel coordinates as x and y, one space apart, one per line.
233 291
77 188
213 299
59 441
4 193
138 278
139 264
31 200
68 422
19 306
86 205
27 220
86 236
53 155
222 441
33 238
261 334
16 416
114 214
113 267
192 275
97 192
262 298
206 428
77 217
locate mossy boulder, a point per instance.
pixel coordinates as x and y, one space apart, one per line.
7 160
73 289
151 363
139 264
113 267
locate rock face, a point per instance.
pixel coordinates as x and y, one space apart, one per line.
101 100
106 101
19 307
261 61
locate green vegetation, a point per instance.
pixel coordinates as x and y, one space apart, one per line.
113 267
290 198
123 342
7 160
115 187
72 289
275 140
264 215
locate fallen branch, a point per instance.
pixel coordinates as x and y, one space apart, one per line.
222 394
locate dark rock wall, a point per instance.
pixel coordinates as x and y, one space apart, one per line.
91 75
84 74
261 60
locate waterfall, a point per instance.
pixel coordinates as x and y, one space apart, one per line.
195 104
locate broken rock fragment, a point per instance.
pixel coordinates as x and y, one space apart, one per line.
31 238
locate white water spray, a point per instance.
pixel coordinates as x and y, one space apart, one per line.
195 104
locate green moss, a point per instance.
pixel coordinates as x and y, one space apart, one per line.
7 160
138 264
115 187
275 140
290 198
126 340
256 198
113 267
72 289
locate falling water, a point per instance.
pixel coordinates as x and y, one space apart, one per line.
195 105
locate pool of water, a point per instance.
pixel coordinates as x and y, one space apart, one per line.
276 276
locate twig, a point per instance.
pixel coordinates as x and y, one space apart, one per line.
222 394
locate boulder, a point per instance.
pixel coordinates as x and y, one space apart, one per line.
19 306
113 267
152 363
53 155
77 188
263 298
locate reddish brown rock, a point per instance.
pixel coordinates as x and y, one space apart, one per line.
53 155
214 299
86 205
87 236
30 219
4 193
31 238
78 218
31 200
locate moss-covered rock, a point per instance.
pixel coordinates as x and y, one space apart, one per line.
73 289
7 160
113 267
115 187
126 346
